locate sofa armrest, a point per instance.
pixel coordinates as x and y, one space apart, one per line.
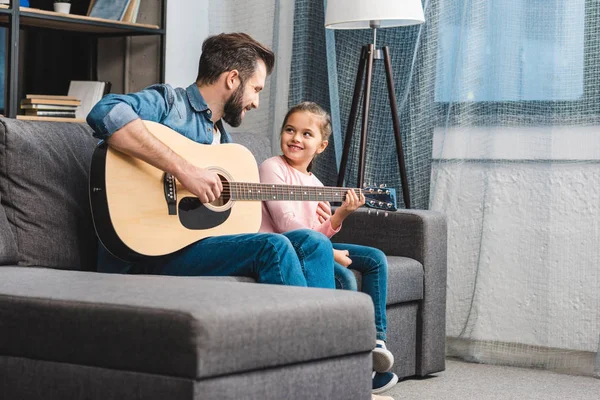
420 235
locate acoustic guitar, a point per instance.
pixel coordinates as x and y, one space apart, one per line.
140 211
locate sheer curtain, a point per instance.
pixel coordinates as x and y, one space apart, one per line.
516 168
324 66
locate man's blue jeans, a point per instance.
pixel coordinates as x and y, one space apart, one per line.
298 258
372 264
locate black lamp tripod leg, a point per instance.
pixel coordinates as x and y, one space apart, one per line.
352 117
365 122
396 124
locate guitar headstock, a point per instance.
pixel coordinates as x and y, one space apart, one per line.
380 198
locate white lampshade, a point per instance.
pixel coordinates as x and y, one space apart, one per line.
357 14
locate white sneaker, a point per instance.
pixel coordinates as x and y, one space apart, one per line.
383 381
377 397
383 359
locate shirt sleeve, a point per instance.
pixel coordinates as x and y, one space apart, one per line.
283 216
325 228
115 111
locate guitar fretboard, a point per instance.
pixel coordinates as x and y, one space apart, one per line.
265 192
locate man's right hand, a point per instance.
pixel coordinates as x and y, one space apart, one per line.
201 182
135 140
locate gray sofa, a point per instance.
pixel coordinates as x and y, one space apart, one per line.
67 332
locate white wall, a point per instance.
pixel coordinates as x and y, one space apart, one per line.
187 27
189 22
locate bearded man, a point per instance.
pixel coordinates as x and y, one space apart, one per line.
231 75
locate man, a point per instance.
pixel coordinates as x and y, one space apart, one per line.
231 74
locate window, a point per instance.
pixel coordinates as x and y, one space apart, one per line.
524 51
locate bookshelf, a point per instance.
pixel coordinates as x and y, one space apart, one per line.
90 29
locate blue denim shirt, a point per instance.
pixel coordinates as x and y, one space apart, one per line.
183 110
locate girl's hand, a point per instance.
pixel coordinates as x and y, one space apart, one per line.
352 202
323 211
342 257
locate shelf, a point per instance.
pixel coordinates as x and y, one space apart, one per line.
35 18
50 119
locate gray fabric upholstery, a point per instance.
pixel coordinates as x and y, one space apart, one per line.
8 247
340 378
259 145
27 379
405 280
175 326
402 337
420 235
45 192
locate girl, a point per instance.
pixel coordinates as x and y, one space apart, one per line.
304 134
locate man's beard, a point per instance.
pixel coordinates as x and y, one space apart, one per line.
232 112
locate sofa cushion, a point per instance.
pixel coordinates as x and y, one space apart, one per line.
405 280
44 190
187 327
8 247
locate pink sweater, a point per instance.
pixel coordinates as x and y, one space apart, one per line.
284 216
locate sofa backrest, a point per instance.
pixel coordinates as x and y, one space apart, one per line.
45 218
8 247
259 145
44 169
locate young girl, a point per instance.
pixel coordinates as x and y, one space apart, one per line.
304 134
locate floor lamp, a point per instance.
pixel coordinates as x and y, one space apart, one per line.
372 14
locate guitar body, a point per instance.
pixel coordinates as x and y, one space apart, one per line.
129 206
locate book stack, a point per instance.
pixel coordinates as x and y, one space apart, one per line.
54 106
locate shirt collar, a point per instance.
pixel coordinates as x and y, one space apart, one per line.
196 100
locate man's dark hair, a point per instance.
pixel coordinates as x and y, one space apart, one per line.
229 51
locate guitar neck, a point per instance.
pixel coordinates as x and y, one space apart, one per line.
272 192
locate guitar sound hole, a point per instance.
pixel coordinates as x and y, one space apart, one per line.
225 194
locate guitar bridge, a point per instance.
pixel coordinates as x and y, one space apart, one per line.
170 193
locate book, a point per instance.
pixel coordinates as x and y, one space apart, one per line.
132 11
51 113
51 101
49 96
109 9
50 119
47 107
89 92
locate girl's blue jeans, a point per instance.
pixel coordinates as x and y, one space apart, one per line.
372 264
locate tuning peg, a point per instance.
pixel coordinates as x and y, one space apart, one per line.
369 211
377 213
